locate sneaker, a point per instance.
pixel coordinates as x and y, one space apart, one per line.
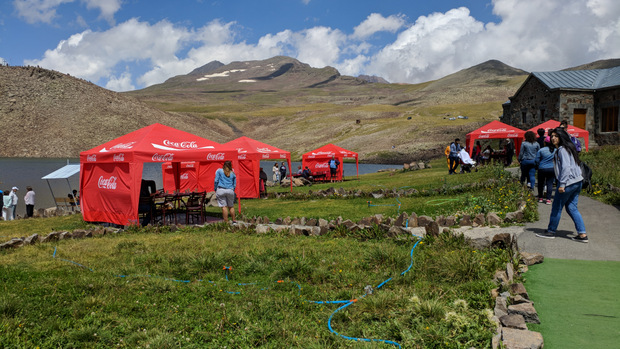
546 235
540 200
580 238
548 202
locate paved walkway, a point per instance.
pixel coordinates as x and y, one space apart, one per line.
602 225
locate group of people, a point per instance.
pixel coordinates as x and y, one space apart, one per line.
555 157
279 172
457 155
9 203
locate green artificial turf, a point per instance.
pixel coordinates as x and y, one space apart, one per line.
578 303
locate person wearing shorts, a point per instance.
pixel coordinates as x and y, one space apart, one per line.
225 185
333 168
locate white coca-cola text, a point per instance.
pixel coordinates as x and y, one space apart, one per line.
324 165
124 145
107 183
91 158
163 157
118 157
187 145
185 176
216 156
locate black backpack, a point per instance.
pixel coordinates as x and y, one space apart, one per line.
586 173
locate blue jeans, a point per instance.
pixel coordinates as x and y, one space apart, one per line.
528 170
567 199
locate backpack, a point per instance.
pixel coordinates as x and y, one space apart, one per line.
577 143
586 173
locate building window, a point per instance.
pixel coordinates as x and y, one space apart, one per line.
609 119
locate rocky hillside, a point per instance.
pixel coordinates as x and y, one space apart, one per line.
280 101
48 114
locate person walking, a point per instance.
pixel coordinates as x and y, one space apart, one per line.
569 181
29 201
546 175
225 185
455 149
527 158
14 200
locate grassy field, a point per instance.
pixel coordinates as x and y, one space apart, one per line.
157 288
166 290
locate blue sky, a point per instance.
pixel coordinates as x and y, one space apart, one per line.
130 44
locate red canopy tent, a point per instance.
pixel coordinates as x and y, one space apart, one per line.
572 130
495 130
110 174
250 153
317 160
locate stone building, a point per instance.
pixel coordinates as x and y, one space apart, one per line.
587 99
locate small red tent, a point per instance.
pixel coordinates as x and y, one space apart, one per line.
495 130
317 160
250 153
572 130
110 174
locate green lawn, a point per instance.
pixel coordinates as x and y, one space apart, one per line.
577 302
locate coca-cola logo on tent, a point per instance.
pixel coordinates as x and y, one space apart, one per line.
215 156
264 150
91 158
242 156
182 145
107 183
123 145
497 130
185 176
119 157
163 157
321 165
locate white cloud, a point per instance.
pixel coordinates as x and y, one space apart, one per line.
34 11
93 55
377 23
427 49
121 83
107 7
3 61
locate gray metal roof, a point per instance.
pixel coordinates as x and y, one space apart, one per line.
63 172
580 79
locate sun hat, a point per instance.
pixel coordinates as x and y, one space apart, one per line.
15 188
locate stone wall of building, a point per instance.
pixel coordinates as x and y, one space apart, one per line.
533 105
605 99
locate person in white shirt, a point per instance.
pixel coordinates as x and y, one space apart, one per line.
7 208
29 201
14 200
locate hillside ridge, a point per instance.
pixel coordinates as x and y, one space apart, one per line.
287 103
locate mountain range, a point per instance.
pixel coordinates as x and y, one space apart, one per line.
279 101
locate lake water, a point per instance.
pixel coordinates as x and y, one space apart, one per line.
28 172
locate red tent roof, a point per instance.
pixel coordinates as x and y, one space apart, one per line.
252 149
328 150
495 129
572 130
157 143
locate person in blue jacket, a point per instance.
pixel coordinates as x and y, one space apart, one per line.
546 175
225 185
569 181
527 158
